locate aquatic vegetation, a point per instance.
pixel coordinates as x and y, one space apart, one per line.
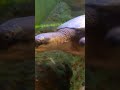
76 63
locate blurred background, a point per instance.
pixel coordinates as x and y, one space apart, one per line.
16 73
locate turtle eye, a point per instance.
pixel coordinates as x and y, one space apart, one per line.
82 41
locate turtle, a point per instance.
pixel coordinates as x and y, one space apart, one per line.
104 14
17 38
102 41
69 37
102 33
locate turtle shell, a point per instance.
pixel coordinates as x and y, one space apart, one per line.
75 23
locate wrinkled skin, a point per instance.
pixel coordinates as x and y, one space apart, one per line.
17 38
69 37
66 40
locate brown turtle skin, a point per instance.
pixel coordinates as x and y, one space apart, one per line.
68 38
65 39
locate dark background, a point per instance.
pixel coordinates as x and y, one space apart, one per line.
17 73
102 56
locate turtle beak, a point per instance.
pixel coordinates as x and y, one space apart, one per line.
40 40
41 43
82 41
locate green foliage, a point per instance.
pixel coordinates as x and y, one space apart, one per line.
43 8
59 14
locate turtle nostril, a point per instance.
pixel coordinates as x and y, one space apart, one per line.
42 41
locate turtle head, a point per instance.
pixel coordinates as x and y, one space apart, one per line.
67 40
45 42
82 41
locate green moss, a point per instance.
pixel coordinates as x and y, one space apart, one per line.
77 64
